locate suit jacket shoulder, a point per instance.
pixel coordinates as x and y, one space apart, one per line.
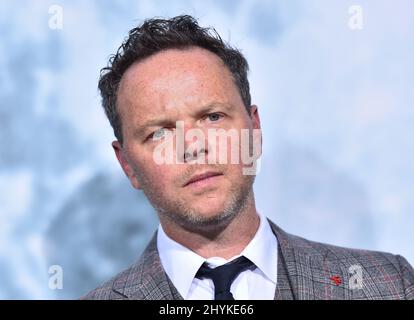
323 271
144 280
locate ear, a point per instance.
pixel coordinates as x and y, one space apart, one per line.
126 167
254 114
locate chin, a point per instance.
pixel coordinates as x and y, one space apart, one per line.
208 213
211 213
209 206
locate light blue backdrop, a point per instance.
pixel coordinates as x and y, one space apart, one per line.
337 113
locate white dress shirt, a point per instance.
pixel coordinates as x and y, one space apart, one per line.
181 265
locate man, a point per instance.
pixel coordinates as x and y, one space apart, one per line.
172 78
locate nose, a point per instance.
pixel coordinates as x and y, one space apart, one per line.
195 155
193 148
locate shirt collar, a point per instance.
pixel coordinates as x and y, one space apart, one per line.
262 250
181 264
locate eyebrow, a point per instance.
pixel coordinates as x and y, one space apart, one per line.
166 122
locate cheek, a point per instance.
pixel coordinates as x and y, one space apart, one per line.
159 177
236 172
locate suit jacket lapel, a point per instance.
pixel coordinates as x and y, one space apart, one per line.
147 279
283 287
305 273
309 270
294 274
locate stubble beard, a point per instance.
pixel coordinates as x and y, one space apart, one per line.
178 212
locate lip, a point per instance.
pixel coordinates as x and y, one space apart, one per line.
202 176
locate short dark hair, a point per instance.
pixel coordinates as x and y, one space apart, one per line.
155 35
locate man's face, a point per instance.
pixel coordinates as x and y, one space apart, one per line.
195 87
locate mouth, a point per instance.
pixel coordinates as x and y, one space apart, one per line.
202 179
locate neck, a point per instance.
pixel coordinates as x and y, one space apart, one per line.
229 241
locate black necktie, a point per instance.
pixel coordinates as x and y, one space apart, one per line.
224 275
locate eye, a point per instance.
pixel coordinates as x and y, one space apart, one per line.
158 134
214 117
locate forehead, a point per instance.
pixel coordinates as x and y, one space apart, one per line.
174 80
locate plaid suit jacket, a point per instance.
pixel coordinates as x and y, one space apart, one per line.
306 270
